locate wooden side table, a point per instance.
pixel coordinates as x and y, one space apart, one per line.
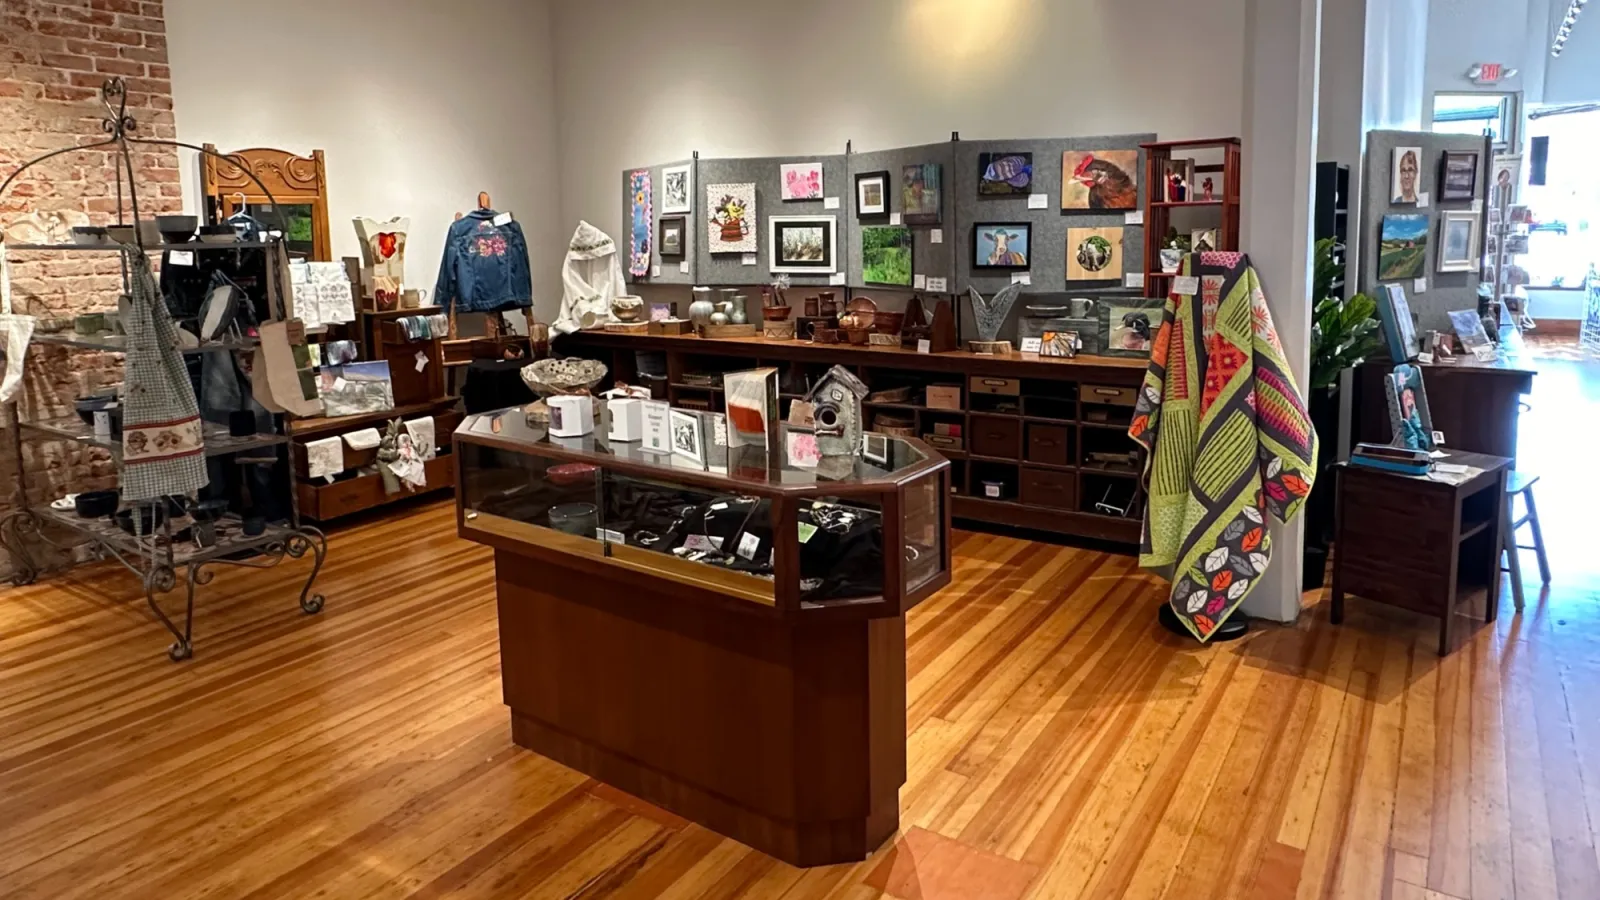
1420 543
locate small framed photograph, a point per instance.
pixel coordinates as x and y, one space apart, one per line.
1458 175
677 185
1177 181
1130 324
1458 242
1204 240
670 235
801 181
872 194
1001 245
685 427
875 448
660 312
1405 176
803 244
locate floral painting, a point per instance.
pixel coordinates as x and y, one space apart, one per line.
641 223
731 224
801 181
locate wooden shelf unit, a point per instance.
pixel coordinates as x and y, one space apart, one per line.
1158 212
1049 489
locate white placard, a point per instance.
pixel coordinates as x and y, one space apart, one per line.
1032 345
683 267
1021 278
1425 358
655 271
830 202
1133 280
338 383
1038 201
422 360
894 218
748 545
1477 205
919 282
1419 286
180 258
1484 354
749 259
1188 285
924 345
936 236
836 278
938 285
1423 199
1134 218
502 219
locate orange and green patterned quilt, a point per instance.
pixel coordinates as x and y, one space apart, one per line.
1228 441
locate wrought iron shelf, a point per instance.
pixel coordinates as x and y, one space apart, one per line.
118 343
218 442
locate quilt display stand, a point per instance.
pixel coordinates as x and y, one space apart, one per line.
157 555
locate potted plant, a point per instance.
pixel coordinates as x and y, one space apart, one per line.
1343 334
1173 248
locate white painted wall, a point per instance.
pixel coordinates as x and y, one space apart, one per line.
418 105
1395 63
1574 77
1463 32
640 82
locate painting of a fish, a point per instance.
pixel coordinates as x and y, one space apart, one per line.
1004 174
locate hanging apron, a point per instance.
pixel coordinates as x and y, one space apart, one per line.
163 450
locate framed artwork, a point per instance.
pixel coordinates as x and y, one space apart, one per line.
1468 326
1507 181
1005 174
669 241
1094 254
1458 241
684 426
886 255
1001 245
1399 330
1204 240
731 218
803 244
1458 175
1129 325
1408 409
1177 180
660 312
922 194
641 228
872 194
1100 179
1404 175
1403 247
677 187
801 181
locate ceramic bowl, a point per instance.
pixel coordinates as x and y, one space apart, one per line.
776 313
122 234
627 308
177 229
549 377
90 235
94 504
218 234
89 323
149 519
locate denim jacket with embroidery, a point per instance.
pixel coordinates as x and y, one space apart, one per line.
485 267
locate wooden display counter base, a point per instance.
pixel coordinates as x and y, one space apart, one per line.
787 736
628 327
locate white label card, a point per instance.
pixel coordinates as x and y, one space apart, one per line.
894 218
1021 278
1134 218
683 267
748 545
1425 358
936 236
1483 354
655 271
806 531
1188 285
1419 286
180 258
938 285
830 202
1134 280
1038 201
1477 205
924 346
836 278
1032 345
502 219
919 282
338 383
702 543
749 259
1423 200
422 360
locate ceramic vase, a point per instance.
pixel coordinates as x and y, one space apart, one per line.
736 314
701 309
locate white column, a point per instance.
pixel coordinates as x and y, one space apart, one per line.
1280 144
1396 65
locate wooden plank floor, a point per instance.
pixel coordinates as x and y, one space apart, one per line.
1060 746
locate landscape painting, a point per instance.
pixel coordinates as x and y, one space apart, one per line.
922 195
1100 179
886 255
1403 247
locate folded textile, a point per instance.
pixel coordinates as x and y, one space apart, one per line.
17 331
422 437
365 439
325 458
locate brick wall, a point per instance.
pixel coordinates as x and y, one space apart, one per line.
54 56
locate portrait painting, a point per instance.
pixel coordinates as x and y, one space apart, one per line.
1405 175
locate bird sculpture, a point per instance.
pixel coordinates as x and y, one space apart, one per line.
1108 185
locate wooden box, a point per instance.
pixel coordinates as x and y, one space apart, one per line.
672 327
1041 487
996 436
1050 444
728 331
943 441
1005 387
944 396
1110 395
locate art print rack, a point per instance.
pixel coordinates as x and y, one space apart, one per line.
155 557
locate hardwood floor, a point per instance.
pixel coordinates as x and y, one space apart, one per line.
1060 746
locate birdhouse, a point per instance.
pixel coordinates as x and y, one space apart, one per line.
836 410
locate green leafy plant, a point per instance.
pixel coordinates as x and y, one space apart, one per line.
1176 241
1343 332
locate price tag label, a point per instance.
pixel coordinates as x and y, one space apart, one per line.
924 346
748 545
1038 201
938 285
1187 285
919 282
1032 345
936 235
683 267
180 258
422 360
1134 218
749 259
894 218
1021 278
655 271
830 202
836 278
1423 200
1419 286
502 219
1134 280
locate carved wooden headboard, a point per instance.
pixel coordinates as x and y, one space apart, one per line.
292 180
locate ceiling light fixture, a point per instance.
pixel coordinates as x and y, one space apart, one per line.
1574 10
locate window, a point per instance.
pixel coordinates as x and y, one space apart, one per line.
1477 113
1562 240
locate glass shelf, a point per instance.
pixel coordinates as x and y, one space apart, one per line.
118 343
230 536
217 439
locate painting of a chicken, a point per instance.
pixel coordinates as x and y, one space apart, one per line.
1099 179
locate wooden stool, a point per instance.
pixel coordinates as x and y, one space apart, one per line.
1522 483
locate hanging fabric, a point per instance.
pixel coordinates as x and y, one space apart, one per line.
1228 441
590 278
15 330
163 451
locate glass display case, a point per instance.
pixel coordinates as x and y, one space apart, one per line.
868 533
